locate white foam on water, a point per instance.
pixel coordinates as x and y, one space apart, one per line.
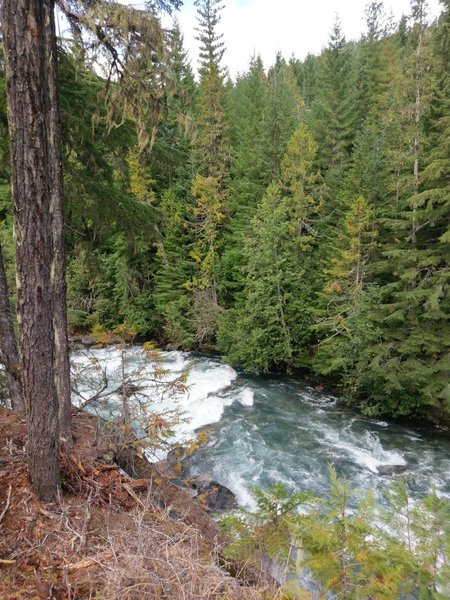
176 361
206 411
316 398
365 451
239 487
246 397
201 382
199 403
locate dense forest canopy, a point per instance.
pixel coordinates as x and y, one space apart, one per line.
296 218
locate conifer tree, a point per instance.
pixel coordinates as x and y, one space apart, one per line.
369 64
249 178
170 158
212 145
281 115
172 278
333 119
342 321
209 186
307 75
257 335
406 368
174 265
212 47
271 325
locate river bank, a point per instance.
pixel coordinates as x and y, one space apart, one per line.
110 535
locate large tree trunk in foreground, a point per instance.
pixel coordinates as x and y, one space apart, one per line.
27 35
9 355
59 286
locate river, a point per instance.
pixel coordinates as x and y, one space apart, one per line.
264 429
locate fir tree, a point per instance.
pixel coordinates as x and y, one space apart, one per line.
343 325
172 278
406 367
257 334
212 47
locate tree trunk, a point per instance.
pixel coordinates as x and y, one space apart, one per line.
9 355
59 286
27 35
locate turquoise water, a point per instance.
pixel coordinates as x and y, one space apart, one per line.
291 433
276 428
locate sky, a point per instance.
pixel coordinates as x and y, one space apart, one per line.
290 26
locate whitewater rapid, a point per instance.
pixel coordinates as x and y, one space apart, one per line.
274 428
200 400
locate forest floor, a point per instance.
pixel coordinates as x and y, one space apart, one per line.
109 536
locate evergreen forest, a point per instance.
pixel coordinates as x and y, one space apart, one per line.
294 219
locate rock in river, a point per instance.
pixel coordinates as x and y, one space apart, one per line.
391 469
212 494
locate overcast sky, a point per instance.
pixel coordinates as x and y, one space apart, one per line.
290 26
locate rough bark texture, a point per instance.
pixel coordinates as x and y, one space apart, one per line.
9 354
26 27
59 286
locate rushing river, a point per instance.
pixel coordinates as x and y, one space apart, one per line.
277 428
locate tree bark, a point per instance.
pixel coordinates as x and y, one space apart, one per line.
59 286
9 354
27 34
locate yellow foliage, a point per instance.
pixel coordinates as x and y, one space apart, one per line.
100 334
140 182
125 332
194 445
178 468
150 346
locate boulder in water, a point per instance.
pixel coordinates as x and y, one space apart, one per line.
175 459
79 342
391 469
211 494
